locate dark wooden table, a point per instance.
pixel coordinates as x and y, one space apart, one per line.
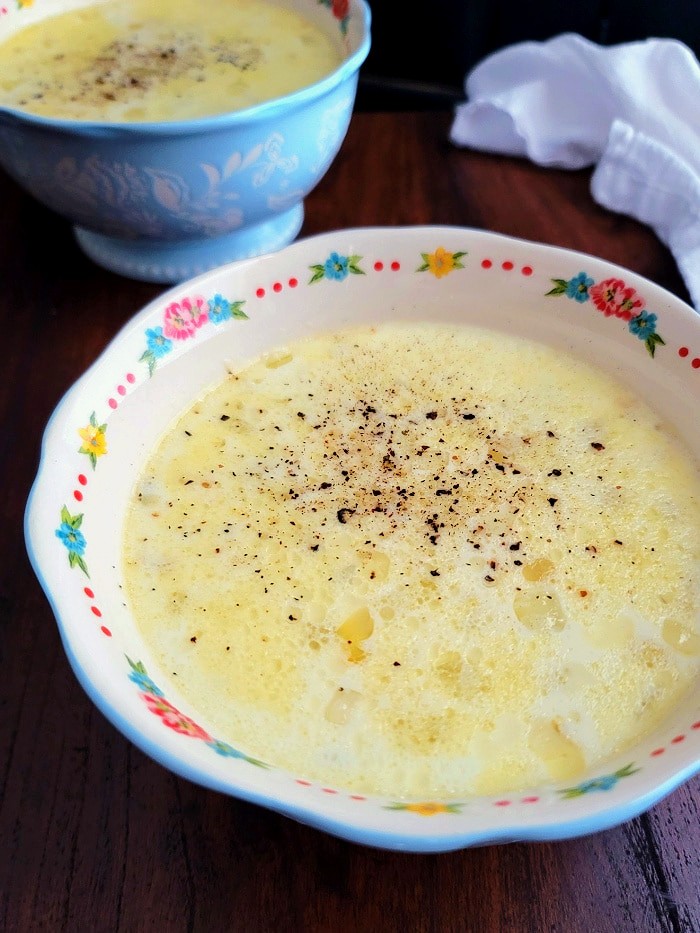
94 836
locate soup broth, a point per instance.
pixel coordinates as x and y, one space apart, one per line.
153 60
421 560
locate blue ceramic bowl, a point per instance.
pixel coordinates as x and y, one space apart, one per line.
165 201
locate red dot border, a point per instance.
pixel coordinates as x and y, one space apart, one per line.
121 390
330 791
505 265
684 353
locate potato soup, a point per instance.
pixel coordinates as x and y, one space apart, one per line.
421 560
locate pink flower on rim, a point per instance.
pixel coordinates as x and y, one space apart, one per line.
613 297
181 319
173 718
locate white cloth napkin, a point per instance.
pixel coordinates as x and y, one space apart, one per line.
633 110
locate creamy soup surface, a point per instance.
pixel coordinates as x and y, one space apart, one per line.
143 60
419 561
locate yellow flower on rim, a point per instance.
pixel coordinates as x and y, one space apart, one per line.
441 262
429 808
94 440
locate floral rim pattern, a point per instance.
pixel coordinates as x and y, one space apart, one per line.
340 10
174 719
171 716
182 320
613 298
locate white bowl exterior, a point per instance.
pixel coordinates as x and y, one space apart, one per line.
503 284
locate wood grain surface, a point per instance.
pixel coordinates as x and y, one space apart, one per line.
94 836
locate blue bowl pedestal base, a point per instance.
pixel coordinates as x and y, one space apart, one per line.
169 262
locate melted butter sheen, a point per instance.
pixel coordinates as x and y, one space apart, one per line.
151 60
421 561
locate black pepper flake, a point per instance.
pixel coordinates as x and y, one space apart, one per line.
397 664
188 433
344 515
194 639
555 473
187 482
515 547
300 414
224 417
552 501
469 417
326 485
434 573
431 415
596 445
313 547
617 541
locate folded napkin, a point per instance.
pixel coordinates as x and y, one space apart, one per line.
633 110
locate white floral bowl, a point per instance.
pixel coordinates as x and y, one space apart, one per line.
165 201
103 430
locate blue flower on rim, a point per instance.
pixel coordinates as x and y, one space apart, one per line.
158 344
219 309
336 267
577 288
223 748
72 538
144 682
605 782
643 325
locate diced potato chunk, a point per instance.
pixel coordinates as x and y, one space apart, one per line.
341 706
275 360
681 638
539 610
376 563
537 569
561 755
357 627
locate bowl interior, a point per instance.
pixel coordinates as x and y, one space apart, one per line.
142 382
